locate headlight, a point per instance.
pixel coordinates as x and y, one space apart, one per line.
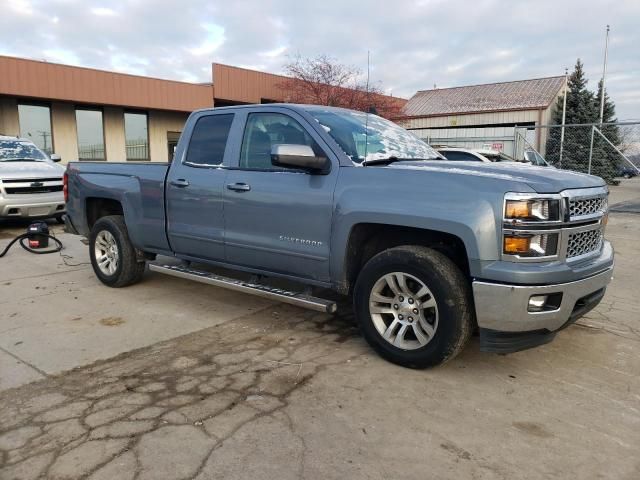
530 245
532 210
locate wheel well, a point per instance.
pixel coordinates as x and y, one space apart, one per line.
101 207
369 239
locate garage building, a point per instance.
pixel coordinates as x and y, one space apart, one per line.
484 116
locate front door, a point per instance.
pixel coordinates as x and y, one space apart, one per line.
278 219
195 188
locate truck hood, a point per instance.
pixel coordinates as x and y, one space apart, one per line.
38 169
540 179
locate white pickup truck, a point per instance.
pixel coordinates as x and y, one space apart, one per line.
30 181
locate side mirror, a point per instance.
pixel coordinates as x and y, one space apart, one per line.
55 157
299 156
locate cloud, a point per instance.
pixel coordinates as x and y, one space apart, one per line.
103 12
213 41
413 44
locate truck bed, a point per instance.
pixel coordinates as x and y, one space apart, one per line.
137 186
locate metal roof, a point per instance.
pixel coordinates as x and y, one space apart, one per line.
491 97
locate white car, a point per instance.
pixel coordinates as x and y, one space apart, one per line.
469 155
30 181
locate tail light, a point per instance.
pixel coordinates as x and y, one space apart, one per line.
65 186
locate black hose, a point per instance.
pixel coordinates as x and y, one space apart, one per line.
24 236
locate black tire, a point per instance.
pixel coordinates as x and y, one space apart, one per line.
129 269
60 219
450 289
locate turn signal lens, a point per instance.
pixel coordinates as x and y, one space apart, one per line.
516 245
531 246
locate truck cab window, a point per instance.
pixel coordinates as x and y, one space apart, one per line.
209 140
264 130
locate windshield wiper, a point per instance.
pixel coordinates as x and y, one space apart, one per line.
391 159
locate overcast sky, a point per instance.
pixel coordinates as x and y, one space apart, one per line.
413 44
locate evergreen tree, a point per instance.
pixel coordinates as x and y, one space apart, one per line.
583 106
580 109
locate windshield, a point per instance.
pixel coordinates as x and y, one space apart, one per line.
383 139
13 150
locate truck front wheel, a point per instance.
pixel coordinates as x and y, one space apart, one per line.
414 306
113 257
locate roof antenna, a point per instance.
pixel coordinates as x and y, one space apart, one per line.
366 118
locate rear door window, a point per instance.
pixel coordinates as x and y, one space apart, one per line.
209 140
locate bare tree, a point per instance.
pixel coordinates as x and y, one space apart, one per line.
324 81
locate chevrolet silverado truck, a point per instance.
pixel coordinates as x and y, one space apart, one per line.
429 250
30 181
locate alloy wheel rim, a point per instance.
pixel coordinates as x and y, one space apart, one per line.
404 310
106 252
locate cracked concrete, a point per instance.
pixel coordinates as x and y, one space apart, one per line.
164 414
282 393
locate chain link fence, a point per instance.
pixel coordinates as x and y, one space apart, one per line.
609 150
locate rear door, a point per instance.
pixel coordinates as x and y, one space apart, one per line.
195 187
279 219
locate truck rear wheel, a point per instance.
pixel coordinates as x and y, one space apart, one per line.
113 257
414 306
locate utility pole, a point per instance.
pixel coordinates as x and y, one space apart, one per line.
564 113
604 74
45 138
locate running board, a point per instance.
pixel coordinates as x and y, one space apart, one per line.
294 298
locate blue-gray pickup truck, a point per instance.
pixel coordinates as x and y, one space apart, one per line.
429 250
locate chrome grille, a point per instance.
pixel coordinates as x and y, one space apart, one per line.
33 190
582 243
587 206
30 186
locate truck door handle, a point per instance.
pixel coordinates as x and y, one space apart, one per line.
180 183
239 187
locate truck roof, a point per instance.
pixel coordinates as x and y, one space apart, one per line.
291 106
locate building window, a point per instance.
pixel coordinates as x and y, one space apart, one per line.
90 135
35 124
136 136
172 143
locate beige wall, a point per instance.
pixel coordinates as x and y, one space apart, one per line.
161 122
9 117
63 126
113 124
518 116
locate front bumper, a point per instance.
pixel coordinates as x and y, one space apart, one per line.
46 205
505 323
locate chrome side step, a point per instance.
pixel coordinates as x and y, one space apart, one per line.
294 298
